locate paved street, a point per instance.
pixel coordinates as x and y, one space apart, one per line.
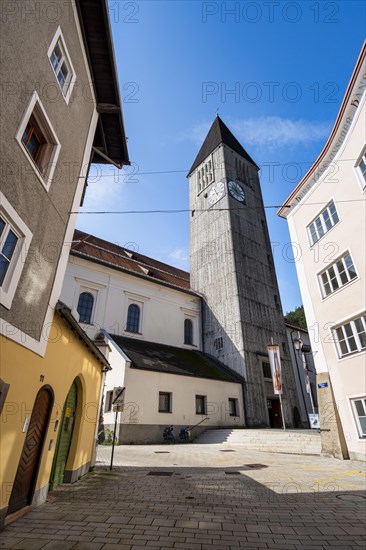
211 497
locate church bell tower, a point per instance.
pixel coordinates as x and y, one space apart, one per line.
232 267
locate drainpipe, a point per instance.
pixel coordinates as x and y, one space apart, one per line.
298 372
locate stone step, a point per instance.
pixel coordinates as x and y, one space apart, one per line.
280 441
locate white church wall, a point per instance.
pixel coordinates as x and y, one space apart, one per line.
163 309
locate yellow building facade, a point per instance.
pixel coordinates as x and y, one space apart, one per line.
34 417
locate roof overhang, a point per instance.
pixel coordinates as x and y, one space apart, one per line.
105 263
351 101
65 313
110 137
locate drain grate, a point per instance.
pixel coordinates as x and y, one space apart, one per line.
227 451
162 452
190 498
234 473
351 497
255 466
162 474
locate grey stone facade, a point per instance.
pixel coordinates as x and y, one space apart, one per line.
46 213
232 267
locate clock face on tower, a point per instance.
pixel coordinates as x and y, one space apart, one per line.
236 191
216 193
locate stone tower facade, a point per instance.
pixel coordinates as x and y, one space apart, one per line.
232 267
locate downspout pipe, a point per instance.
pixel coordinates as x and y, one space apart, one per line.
298 372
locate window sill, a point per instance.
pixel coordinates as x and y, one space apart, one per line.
352 354
346 285
165 412
327 233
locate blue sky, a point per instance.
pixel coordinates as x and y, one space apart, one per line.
276 71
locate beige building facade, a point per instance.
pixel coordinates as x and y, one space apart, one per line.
326 214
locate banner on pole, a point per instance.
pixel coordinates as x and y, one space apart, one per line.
275 363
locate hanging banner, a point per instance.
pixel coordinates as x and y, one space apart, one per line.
275 363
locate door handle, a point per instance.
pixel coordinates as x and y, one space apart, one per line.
31 444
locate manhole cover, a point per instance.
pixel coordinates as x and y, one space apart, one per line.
232 473
351 497
227 451
255 466
163 474
162 452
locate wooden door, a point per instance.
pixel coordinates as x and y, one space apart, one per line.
64 438
26 476
276 420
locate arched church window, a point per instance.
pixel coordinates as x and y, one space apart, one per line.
133 318
85 307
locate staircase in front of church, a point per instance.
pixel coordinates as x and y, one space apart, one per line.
302 442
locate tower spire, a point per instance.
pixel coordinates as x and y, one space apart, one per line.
217 134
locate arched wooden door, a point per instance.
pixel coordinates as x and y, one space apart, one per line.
26 476
64 437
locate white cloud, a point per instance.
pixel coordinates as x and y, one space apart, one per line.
272 132
105 187
179 257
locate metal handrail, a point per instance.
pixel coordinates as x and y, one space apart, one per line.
195 426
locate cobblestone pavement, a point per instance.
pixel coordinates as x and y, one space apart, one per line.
211 497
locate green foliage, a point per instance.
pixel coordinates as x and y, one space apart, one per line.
297 317
108 437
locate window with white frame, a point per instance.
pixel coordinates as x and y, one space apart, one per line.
61 64
322 223
38 140
15 239
205 175
361 169
201 404
165 402
133 318
188 332
85 307
337 275
351 336
359 409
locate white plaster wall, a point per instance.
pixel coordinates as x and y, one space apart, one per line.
342 184
164 309
142 393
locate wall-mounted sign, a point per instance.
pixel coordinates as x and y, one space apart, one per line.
314 421
323 385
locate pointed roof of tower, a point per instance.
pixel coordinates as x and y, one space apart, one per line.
219 133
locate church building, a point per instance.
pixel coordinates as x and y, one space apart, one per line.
190 349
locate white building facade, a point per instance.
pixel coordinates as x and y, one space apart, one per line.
326 214
147 321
